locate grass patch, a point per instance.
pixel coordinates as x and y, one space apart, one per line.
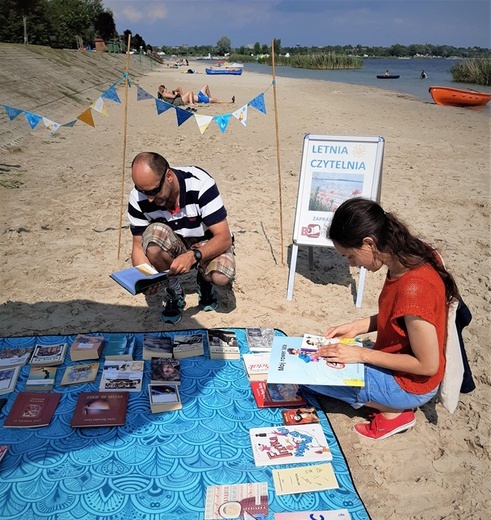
474 70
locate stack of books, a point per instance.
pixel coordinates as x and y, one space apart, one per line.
86 347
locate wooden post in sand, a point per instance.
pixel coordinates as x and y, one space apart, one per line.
277 151
124 141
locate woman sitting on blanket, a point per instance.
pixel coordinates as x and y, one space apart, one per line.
404 368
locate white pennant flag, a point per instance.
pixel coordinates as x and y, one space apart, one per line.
203 122
241 115
51 126
99 106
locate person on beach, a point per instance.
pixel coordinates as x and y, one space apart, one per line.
423 75
190 98
404 368
178 222
387 73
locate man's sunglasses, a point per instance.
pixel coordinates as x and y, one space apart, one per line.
154 191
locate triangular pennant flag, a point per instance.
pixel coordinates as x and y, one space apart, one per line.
51 126
241 115
203 122
182 115
162 106
86 117
111 94
258 103
99 106
222 121
32 119
70 123
142 94
12 112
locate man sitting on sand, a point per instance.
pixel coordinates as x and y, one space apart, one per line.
178 222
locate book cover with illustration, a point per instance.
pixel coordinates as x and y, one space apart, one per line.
8 379
40 378
138 278
187 345
304 479
247 501
300 415
49 355
332 514
259 339
256 365
86 347
164 397
276 395
122 375
32 410
100 409
289 444
157 346
119 347
15 357
165 370
79 374
290 363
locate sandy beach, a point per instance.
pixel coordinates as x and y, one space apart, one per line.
63 224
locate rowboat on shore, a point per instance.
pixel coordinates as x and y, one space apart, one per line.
222 70
457 97
388 76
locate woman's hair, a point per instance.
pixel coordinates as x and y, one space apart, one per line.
358 218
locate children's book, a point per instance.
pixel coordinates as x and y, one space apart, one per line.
122 376
188 345
304 479
100 409
256 365
32 410
40 378
223 344
3 450
259 339
86 347
290 363
49 355
164 397
139 278
165 370
332 514
247 501
15 357
156 346
79 374
305 415
119 347
8 379
289 444
276 395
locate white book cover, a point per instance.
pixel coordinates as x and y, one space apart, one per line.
256 365
122 376
289 444
259 339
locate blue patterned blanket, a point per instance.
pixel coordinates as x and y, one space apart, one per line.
156 466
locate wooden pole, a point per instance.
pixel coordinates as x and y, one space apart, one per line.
277 151
124 141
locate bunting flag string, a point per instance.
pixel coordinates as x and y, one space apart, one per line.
182 115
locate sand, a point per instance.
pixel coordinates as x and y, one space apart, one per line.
64 230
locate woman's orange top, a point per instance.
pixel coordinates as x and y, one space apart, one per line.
418 292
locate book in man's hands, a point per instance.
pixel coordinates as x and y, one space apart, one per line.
164 397
8 379
289 444
156 346
119 348
49 355
276 395
122 376
139 278
247 501
304 479
100 409
259 339
292 363
40 378
80 374
86 347
15 357
32 410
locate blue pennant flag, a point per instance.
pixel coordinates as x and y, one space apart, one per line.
222 121
12 112
70 123
142 94
32 119
111 94
258 103
182 115
162 106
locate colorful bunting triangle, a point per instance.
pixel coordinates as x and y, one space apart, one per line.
51 126
162 106
222 121
241 115
111 94
86 117
258 103
142 94
12 112
32 119
70 123
99 106
182 115
203 122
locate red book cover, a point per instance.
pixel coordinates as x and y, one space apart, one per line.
100 409
32 409
276 395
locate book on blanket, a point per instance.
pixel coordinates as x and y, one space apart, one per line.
119 347
15 357
122 375
3 450
49 355
223 344
248 501
139 278
32 410
86 347
332 514
8 379
164 397
295 360
80 374
302 415
256 365
304 479
259 339
289 444
100 409
276 395
187 345
165 370
40 378
156 346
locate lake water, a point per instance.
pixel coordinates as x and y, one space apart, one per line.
410 82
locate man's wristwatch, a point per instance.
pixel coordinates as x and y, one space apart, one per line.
197 255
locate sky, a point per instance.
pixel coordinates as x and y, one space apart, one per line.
460 23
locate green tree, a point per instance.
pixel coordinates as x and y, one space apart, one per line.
12 22
69 19
257 48
105 26
224 46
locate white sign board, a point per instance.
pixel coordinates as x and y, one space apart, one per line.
334 169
